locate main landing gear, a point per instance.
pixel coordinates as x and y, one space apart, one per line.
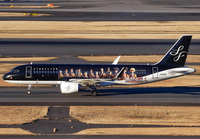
93 91
29 89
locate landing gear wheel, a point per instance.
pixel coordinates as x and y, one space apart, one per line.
29 92
94 93
93 90
29 89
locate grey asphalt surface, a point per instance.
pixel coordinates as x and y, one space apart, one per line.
101 16
170 96
74 47
180 6
110 10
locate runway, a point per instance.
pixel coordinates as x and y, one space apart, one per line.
74 47
102 16
170 96
109 10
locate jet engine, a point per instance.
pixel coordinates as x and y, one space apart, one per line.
68 87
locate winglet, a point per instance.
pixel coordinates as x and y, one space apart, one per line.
116 60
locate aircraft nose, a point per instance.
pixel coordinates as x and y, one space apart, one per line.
5 77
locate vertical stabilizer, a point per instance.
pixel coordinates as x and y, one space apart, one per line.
177 55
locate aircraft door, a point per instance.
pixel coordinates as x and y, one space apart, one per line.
155 72
28 72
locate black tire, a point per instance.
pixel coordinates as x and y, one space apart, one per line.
94 93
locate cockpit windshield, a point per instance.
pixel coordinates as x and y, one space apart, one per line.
15 71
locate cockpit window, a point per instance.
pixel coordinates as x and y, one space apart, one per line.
15 71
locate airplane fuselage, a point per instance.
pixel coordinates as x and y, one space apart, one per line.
56 73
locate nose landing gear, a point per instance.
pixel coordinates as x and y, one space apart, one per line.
29 89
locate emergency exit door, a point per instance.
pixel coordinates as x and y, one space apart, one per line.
155 72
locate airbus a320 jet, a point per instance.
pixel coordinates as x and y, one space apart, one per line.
75 77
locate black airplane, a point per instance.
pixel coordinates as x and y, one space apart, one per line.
75 77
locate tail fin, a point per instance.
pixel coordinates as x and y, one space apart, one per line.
177 55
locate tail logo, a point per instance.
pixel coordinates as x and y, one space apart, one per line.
178 53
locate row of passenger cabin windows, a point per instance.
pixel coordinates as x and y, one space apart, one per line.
55 71
45 70
141 72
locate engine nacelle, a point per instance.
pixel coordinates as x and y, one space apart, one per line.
68 87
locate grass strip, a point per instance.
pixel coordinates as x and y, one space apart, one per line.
137 58
137 115
161 131
14 131
21 114
101 29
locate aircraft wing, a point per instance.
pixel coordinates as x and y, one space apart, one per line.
88 82
120 73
